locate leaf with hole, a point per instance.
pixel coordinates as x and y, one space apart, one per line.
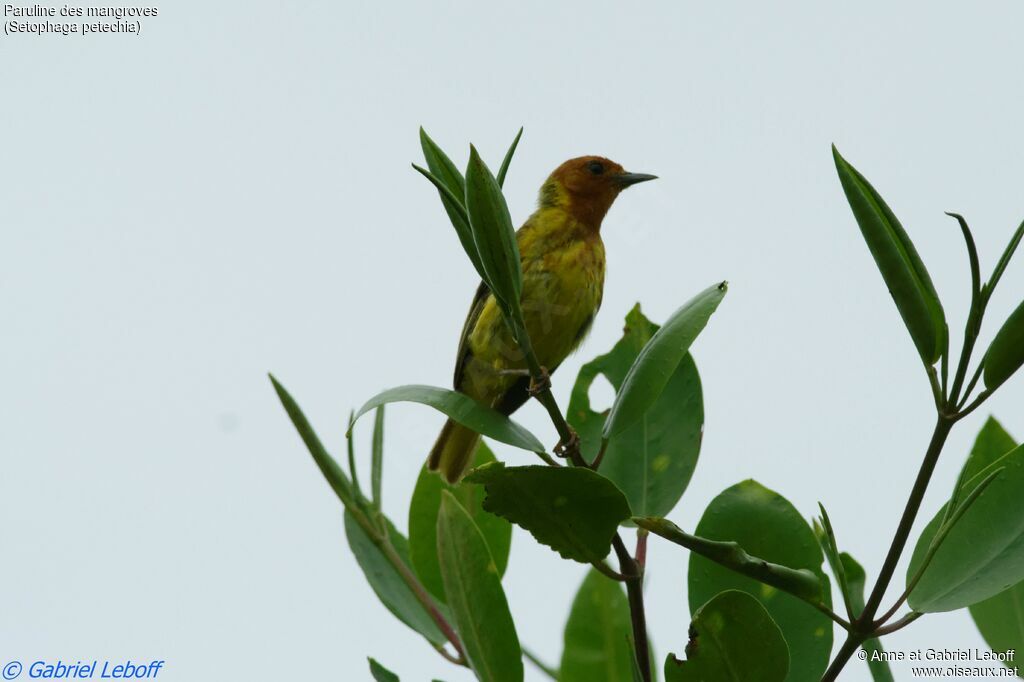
653 460
732 639
658 360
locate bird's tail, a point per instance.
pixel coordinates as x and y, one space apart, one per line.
453 452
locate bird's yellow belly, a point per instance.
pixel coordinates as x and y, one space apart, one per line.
561 294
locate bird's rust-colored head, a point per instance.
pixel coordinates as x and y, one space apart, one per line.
586 186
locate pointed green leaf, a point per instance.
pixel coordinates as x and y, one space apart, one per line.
386 581
423 510
653 460
332 472
1000 619
597 635
477 602
451 187
732 639
991 443
377 457
493 233
983 554
380 673
902 269
1006 354
1004 260
856 581
503 171
572 510
659 359
767 526
462 409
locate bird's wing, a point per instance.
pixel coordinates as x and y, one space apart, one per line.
462 357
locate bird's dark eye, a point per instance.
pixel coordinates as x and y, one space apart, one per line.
595 167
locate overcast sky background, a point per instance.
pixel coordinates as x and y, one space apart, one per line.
230 193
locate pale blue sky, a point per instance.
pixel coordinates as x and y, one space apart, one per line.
229 193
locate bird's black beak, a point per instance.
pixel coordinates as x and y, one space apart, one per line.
625 180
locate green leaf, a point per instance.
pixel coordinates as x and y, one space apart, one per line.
493 233
1004 261
658 360
477 602
827 540
991 443
1000 619
423 510
380 673
461 408
983 553
901 267
572 510
597 635
766 525
732 639
377 457
653 460
451 187
503 171
336 478
386 581
856 581
1006 354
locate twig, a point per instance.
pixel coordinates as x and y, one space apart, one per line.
544 668
635 593
899 541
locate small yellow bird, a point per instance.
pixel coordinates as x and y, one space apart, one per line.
563 280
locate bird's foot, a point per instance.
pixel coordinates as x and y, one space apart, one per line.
544 384
569 448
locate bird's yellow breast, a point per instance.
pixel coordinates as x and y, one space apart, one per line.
563 279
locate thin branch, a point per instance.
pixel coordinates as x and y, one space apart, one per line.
457 660
971 385
800 583
898 625
982 397
548 459
596 464
410 579
942 428
544 668
839 620
606 570
635 594
949 521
